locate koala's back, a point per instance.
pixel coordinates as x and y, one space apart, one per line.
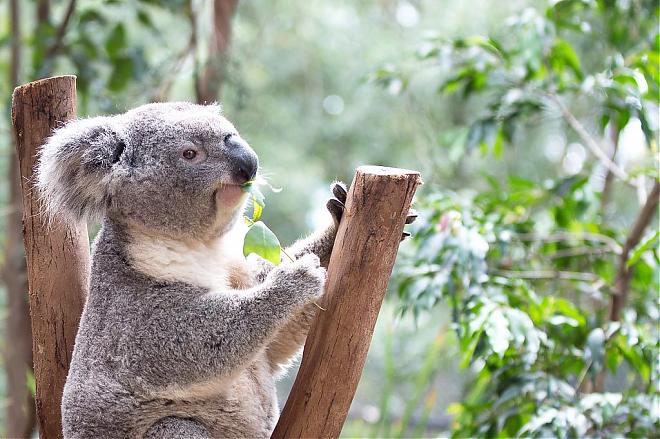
118 385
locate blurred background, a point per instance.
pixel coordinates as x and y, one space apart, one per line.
526 302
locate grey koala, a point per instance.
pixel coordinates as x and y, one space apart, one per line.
181 336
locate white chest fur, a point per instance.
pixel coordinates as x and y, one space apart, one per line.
207 265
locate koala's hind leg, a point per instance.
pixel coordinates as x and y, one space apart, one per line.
176 428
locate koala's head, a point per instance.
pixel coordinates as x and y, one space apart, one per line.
169 168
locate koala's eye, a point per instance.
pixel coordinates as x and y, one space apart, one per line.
189 154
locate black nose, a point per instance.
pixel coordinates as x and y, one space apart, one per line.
243 159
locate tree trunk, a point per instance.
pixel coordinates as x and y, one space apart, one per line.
57 251
624 273
213 74
20 411
359 269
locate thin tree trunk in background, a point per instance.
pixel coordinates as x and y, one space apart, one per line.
20 410
57 252
43 11
209 83
624 273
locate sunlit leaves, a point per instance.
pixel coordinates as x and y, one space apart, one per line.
537 55
562 56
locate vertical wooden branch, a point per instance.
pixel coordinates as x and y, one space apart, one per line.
209 82
359 269
57 252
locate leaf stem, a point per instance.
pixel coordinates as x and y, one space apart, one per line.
290 258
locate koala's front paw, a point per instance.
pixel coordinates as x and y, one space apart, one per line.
337 205
302 279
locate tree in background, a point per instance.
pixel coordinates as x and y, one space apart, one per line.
554 305
208 82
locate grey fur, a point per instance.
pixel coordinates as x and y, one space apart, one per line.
158 357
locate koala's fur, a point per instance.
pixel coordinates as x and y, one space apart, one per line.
180 335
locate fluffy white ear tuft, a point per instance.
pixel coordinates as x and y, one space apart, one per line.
76 167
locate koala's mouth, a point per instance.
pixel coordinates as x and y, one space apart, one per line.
229 195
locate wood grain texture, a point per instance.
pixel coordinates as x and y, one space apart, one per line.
57 252
358 273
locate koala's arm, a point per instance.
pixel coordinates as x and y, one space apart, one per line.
221 332
290 337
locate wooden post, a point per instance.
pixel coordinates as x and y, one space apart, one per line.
57 252
359 269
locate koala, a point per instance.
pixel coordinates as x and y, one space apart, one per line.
181 335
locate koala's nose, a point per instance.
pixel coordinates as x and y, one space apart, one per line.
243 159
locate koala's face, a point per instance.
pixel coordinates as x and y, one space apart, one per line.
173 169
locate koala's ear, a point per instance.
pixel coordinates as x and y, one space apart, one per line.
77 165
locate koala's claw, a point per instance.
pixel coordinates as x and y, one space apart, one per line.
339 191
336 209
412 216
337 205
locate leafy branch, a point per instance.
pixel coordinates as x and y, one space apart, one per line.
259 239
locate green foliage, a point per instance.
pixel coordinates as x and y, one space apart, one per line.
529 308
543 55
528 267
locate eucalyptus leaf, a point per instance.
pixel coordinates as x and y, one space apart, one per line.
257 198
262 241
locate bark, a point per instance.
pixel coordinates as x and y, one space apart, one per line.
57 252
43 11
212 75
359 269
19 411
624 273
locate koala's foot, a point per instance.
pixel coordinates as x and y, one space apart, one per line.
302 279
337 205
